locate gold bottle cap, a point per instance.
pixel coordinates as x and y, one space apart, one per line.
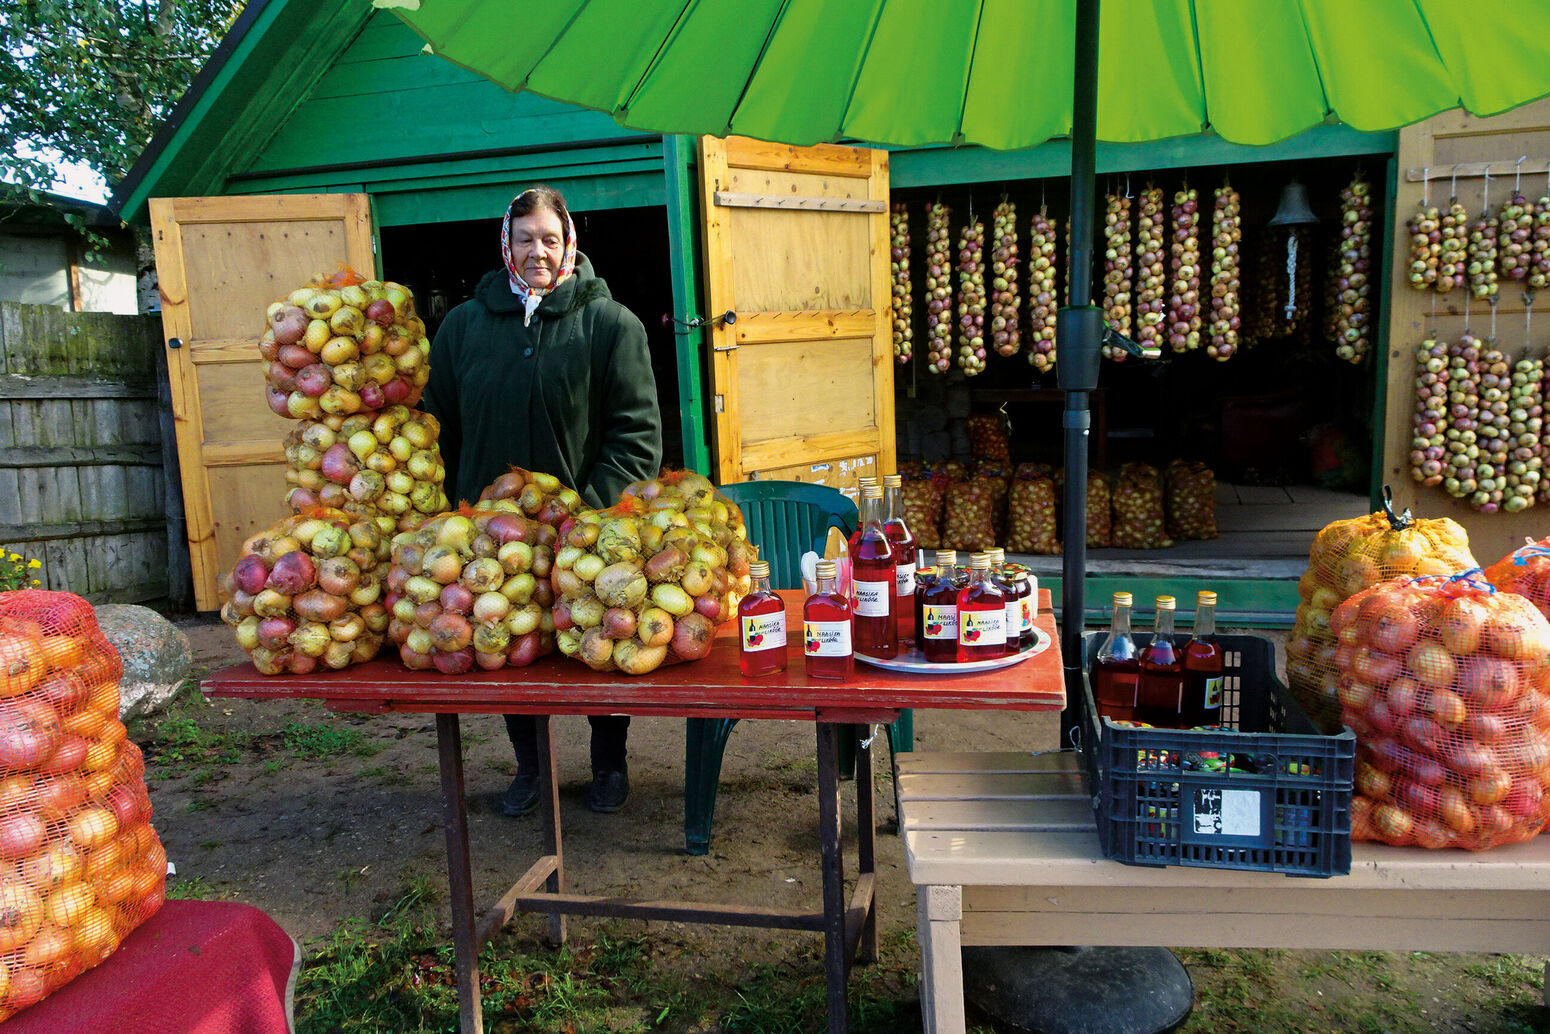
1122 599
980 562
873 491
759 569
1166 603
893 480
1205 598
826 569
946 556
996 553
864 481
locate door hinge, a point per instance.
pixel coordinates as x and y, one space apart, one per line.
721 403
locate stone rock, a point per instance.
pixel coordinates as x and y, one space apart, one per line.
1079 990
156 653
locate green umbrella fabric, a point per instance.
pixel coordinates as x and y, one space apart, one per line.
999 73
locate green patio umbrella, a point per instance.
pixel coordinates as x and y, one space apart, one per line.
1007 74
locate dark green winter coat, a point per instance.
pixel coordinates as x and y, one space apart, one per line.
571 394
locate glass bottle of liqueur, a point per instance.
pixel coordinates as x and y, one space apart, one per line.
981 614
1116 668
1160 691
903 541
761 620
1203 667
1019 608
826 624
938 616
872 579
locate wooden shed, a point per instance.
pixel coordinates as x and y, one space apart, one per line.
321 132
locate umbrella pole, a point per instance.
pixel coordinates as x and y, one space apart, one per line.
1078 338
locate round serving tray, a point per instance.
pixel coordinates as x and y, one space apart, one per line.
913 660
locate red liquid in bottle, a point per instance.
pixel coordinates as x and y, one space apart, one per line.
761 622
1160 690
873 567
1114 687
1203 667
826 626
904 553
981 617
938 630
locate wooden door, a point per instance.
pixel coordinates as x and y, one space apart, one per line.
796 244
221 261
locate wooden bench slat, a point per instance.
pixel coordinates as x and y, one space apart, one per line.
968 786
1071 815
927 762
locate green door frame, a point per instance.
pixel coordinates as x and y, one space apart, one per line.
683 241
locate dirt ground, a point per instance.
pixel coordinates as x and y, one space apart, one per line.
317 842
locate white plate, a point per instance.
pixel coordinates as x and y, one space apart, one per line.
913 660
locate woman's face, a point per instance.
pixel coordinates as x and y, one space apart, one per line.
538 246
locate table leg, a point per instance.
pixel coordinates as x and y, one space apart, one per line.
832 858
549 808
460 888
866 833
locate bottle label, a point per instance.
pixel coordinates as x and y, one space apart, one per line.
941 622
872 599
826 638
1025 621
764 632
1214 692
1014 617
982 627
904 580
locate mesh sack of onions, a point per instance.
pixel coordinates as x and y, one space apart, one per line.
1030 514
1346 557
645 583
1444 682
375 465
342 344
1189 489
308 593
988 439
1138 508
82 866
922 499
1100 518
540 496
471 589
998 479
969 515
955 470
1525 571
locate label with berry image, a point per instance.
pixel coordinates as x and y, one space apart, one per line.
764 632
982 627
826 638
940 622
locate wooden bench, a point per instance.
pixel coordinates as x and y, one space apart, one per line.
1003 850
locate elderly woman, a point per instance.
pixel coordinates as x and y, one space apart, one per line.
543 369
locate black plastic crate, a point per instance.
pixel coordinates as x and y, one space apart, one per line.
1276 796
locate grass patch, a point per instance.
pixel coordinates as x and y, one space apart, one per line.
316 742
193 888
181 742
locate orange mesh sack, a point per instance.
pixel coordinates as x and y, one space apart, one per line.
383 465
1525 571
471 589
308 593
1444 682
1138 508
969 518
922 499
646 582
1189 488
1100 518
341 345
80 865
1348 556
1030 513
988 439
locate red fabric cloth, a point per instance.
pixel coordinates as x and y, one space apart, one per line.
195 967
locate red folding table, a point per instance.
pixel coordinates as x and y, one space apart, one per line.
708 688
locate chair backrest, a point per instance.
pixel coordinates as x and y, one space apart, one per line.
787 518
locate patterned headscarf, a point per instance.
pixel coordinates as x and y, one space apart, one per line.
531 296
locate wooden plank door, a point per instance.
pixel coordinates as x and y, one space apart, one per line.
221 261
796 244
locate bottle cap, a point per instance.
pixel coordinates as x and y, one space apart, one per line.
996 554
873 491
980 562
825 569
1122 599
946 556
759 569
893 480
1166 603
1205 598
864 481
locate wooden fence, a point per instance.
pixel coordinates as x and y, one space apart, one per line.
83 471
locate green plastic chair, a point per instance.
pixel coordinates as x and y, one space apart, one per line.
785 519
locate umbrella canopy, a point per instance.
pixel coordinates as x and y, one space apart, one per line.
999 73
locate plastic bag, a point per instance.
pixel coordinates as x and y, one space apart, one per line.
82 865
1348 556
1445 681
1138 508
1190 503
